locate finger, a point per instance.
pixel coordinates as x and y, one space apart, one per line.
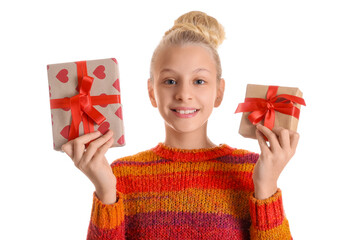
79 144
294 137
94 145
272 138
283 137
68 149
88 137
262 143
104 148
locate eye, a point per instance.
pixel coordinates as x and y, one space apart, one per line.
199 81
169 81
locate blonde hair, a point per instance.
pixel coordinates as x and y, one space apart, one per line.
196 28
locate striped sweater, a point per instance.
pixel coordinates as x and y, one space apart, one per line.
170 193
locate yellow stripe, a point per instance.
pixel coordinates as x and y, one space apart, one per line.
280 232
190 200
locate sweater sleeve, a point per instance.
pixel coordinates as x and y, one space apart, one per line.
268 218
107 220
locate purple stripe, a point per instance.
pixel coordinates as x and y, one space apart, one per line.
234 159
177 219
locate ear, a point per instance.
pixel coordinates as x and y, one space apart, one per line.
151 93
220 92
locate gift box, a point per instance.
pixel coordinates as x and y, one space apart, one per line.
85 97
270 106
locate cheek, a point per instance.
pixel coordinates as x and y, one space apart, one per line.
162 96
207 97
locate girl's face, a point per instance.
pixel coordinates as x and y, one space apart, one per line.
185 87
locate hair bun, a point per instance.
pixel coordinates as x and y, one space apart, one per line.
201 23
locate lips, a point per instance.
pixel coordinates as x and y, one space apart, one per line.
185 110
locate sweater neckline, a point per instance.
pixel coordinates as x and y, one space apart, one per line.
191 155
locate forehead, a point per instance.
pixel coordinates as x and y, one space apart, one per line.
185 59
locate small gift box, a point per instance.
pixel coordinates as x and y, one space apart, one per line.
271 106
85 97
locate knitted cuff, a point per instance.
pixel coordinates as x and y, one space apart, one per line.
107 216
267 213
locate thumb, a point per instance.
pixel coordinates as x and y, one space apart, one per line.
68 149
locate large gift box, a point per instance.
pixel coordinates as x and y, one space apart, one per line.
270 106
85 97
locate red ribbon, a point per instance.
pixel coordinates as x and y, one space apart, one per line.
261 108
81 105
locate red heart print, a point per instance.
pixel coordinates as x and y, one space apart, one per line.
116 85
65 132
99 72
119 113
62 76
121 140
104 127
115 60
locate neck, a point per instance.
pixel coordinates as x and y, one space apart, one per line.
188 140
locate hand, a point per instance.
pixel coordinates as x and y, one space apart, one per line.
92 162
273 158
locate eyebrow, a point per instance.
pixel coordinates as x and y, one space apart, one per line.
195 71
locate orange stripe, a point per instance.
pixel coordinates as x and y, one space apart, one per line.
280 232
179 181
107 216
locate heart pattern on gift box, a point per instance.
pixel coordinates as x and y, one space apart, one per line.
104 127
119 113
115 60
99 72
116 85
65 132
62 76
121 140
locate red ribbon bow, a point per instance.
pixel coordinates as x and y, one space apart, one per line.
81 105
261 108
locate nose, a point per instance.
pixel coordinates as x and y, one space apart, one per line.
183 92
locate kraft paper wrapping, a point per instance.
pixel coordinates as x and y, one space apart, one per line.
248 130
63 83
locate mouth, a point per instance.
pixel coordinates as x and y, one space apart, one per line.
185 111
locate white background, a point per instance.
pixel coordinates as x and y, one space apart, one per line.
313 45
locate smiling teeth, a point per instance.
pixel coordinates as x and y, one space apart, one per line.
186 111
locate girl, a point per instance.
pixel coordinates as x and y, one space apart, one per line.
187 187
